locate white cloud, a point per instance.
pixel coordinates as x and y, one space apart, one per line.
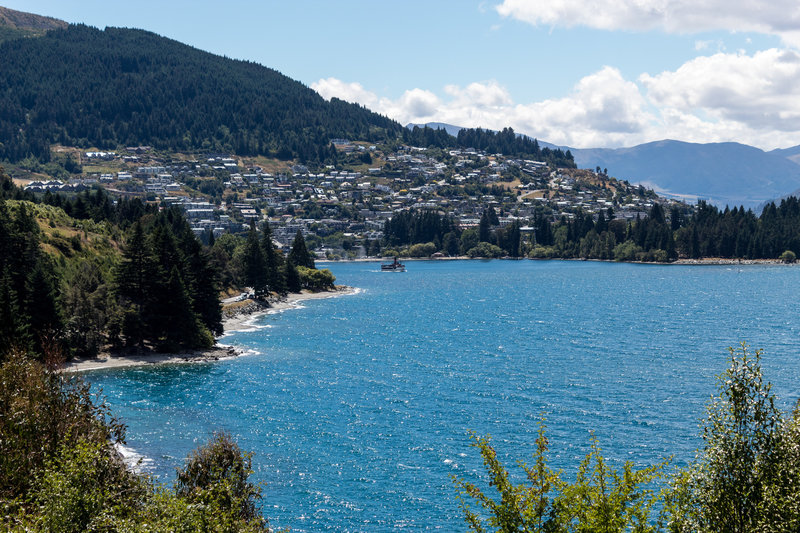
603 110
488 95
351 92
701 45
758 91
412 105
723 97
775 17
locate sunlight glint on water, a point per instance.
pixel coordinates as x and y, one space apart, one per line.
357 408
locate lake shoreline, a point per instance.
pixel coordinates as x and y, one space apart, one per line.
706 261
236 319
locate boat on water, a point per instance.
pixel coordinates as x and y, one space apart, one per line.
394 266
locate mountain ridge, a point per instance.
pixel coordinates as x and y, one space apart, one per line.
726 173
86 87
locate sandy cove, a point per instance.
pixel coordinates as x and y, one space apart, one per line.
236 317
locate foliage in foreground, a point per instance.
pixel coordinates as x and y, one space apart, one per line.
746 477
60 471
600 498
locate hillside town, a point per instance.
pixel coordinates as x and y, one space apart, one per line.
339 207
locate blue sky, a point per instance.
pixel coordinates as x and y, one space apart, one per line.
604 73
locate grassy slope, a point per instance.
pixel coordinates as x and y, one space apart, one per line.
18 24
68 240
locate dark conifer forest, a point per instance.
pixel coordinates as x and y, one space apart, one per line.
504 142
658 237
85 87
84 274
81 86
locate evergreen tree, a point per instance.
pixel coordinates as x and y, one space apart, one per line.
255 265
13 323
299 254
276 277
202 283
484 231
601 225
293 283
87 309
492 214
184 328
41 306
514 240
134 277
450 244
374 249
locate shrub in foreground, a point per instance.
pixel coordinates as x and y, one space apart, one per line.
600 498
60 471
746 477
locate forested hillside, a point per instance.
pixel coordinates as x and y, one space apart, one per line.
504 142
85 87
83 274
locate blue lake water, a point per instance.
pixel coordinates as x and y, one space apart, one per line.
358 408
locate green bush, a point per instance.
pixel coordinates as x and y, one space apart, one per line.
41 412
85 487
316 280
543 252
788 257
422 250
484 249
216 476
600 499
627 251
746 475
745 478
59 471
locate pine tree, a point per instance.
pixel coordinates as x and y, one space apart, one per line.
514 240
203 284
299 254
13 323
276 277
134 277
86 307
42 306
184 328
484 234
493 220
293 283
255 264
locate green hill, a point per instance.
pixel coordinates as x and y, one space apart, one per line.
107 88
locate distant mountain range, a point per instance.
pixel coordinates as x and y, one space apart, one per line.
721 173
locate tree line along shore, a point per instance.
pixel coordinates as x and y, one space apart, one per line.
707 235
127 276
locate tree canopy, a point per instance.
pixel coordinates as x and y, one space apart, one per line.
85 87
